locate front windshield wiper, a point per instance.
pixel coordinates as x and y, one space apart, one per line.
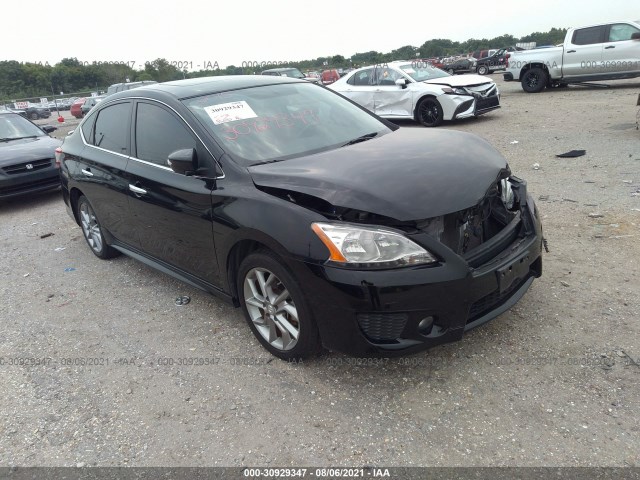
362 138
20 138
267 161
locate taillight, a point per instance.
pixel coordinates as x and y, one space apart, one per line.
506 59
59 156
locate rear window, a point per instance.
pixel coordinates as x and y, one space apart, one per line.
276 122
588 36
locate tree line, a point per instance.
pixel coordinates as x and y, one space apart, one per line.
19 80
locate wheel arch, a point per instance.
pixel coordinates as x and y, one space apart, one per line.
529 66
420 100
240 249
74 195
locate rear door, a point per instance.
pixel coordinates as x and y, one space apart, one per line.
100 168
621 54
361 88
583 52
173 211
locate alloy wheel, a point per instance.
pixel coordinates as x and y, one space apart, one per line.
271 309
90 227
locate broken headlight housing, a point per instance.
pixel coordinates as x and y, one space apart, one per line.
506 193
455 91
370 247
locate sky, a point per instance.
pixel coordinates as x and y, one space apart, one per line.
200 33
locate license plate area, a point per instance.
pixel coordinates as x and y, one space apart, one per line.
513 272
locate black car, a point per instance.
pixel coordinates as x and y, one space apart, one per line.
497 61
326 224
27 156
463 65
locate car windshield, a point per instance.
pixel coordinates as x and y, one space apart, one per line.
277 122
14 126
421 71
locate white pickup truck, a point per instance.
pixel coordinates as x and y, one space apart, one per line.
609 51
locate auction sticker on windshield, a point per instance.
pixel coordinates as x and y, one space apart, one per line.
229 112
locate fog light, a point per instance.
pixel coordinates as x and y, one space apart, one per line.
424 327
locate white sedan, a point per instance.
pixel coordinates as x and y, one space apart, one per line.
418 91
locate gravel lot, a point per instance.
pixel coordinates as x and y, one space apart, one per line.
553 382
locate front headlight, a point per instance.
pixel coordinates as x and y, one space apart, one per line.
370 247
455 91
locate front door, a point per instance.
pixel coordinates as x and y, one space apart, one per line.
173 211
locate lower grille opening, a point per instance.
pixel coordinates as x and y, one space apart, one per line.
382 327
493 300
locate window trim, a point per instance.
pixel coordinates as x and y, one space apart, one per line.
189 127
134 130
603 31
607 33
97 113
132 100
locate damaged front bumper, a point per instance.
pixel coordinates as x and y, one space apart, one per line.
405 310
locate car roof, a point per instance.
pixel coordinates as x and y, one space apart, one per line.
194 87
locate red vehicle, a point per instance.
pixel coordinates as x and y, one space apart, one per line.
76 108
330 76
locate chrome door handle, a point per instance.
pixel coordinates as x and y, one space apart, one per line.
571 51
137 190
87 172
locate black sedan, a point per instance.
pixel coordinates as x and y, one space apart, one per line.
464 65
328 225
27 156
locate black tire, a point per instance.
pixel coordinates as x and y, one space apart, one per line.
276 321
483 70
429 112
34 116
92 230
451 71
534 80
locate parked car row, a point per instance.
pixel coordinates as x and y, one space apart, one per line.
327 77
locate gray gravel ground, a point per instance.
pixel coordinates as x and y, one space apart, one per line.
551 383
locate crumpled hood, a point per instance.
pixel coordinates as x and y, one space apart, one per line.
26 149
408 174
460 80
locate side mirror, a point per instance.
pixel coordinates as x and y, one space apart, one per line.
48 128
635 36
402 82
183 161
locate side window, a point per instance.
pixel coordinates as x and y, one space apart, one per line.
159 133
588 36
87 129
620 32
387 76
112 128
363 77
